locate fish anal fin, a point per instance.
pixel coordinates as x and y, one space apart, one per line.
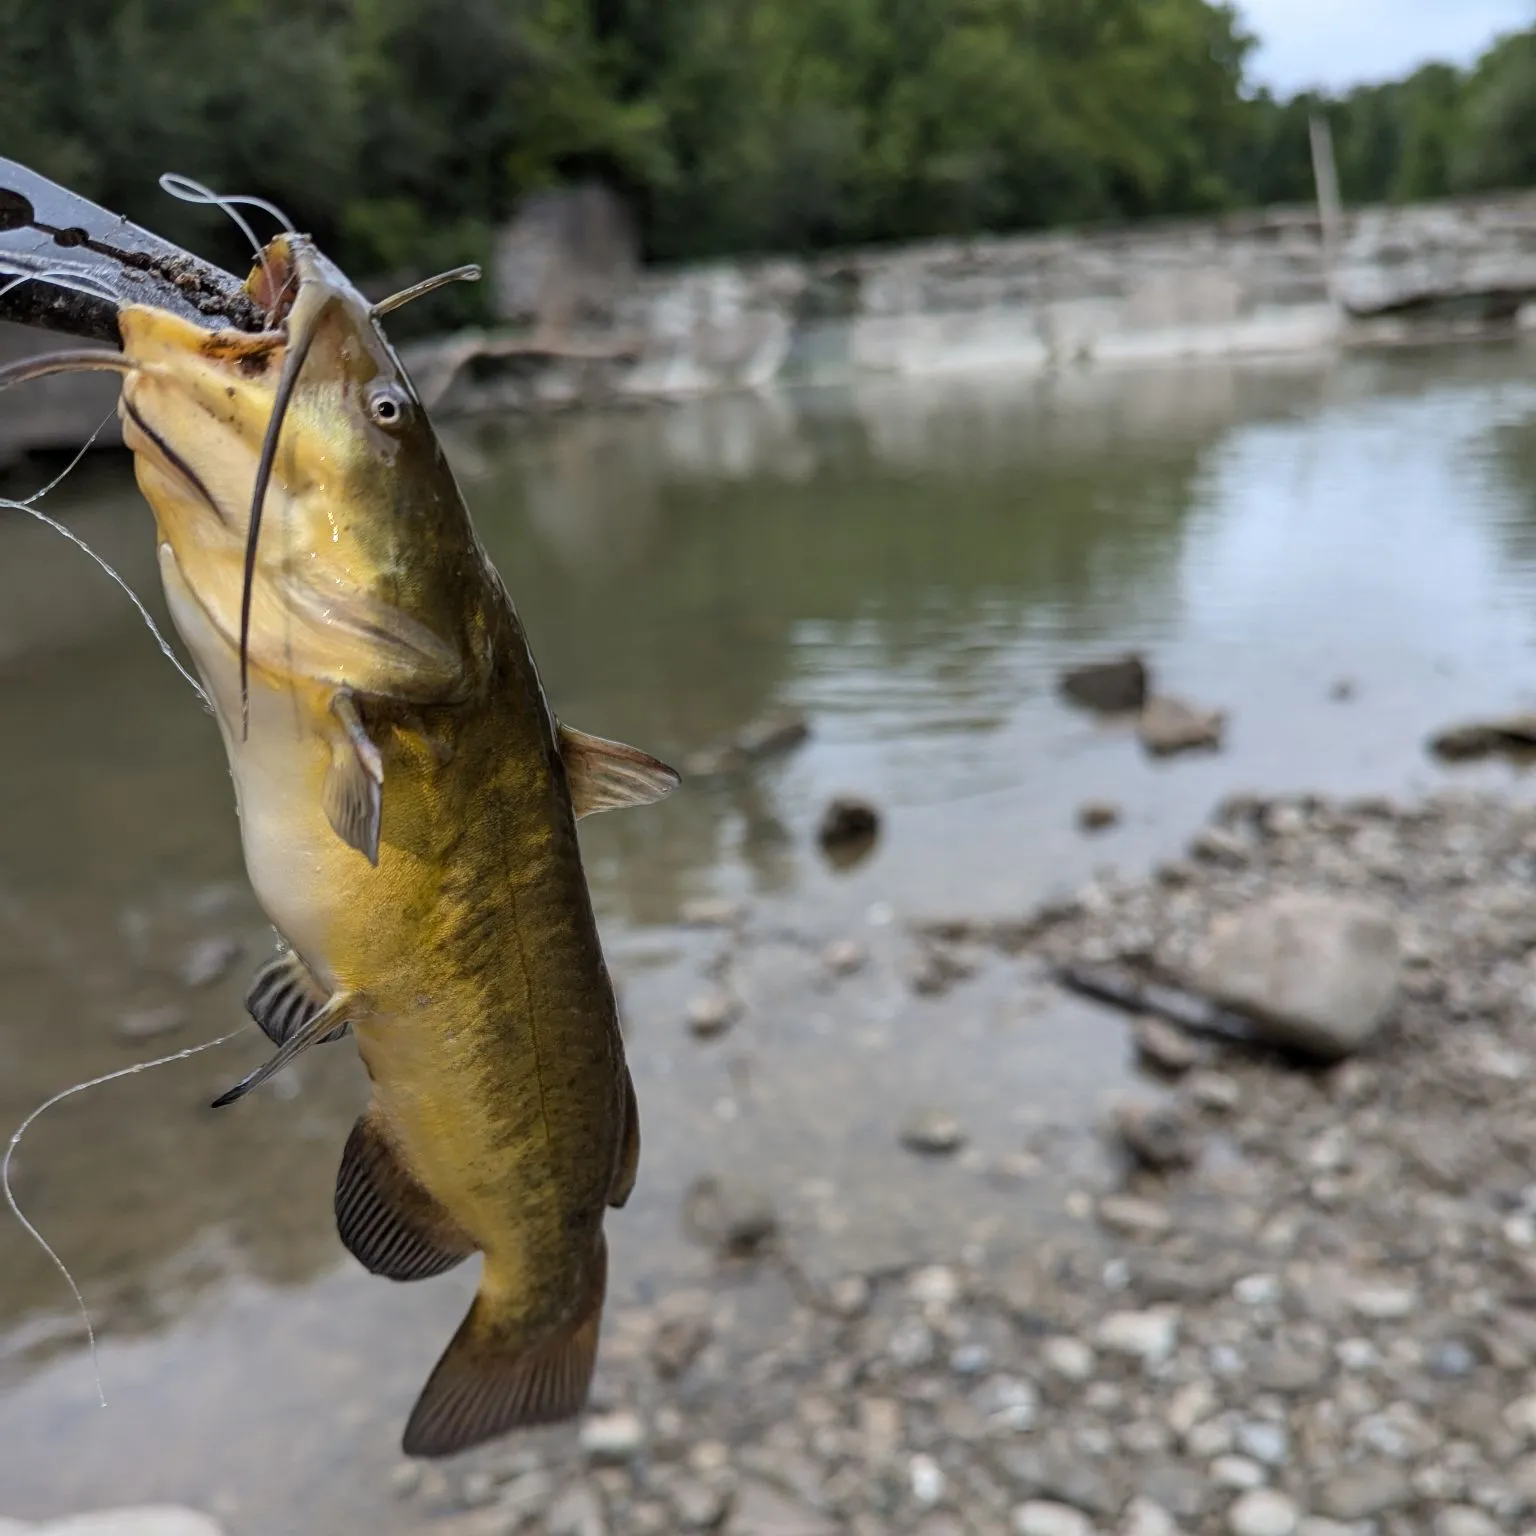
488 1383
607 775
386 1220
353 792
629 1156
284 997
337 1011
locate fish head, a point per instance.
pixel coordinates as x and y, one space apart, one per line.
299 489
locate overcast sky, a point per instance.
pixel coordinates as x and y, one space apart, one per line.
1339 43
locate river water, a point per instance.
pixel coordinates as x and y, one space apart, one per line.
908 565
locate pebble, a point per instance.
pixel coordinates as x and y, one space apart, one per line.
1097 815
926 1479
1143 1517
405 1479
1165 1046
1264 1441
1041 1517
700 1505
1465 1520
1520 1415
1169 725
935 1286
576 1512
1363 1490
678 1342
712 1013
737 1220
1237 1472
208 961
762 1510
1148 1336
1258 1290
151 1023
842 957
1009 1401
932 1132
1133 1217
846 823
1068 1358
1263 1512
1157 1133
1215 1091
1384 1303
613 1437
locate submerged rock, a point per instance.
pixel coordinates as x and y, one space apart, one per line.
1317 973
1515 734
932 1132
1097 815
1111 687
1170 725
848 828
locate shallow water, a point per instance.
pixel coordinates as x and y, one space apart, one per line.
910 566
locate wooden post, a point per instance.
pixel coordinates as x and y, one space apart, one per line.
1329 208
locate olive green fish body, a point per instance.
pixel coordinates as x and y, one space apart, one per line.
408 808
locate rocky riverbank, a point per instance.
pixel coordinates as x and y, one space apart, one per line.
1305 1305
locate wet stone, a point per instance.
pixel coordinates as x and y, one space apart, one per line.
1165 1047
1263 1512
737 1220
712 1013
1361 1491
1148 1336
932 1133
1110 687
1132 1217
1097 815
700 1505
1158 1134
576 1512
613 1437
1042 1517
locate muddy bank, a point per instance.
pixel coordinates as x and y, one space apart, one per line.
1318 1317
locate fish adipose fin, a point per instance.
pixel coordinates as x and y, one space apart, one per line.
607 775
489 1383
353 792
319 1027
284 997
387 1221
629 1157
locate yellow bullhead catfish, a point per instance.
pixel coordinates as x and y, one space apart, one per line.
408 806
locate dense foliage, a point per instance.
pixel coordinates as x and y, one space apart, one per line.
403 131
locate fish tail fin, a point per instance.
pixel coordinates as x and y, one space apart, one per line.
489 1381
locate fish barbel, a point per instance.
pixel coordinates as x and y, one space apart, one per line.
408 806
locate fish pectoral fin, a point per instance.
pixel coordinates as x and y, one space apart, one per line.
386 1220
489 1382
607 775
284 997
629 1156
337 1012
353 792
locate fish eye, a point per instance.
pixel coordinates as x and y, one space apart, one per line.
388 405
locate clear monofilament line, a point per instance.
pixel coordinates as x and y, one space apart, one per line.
37 1237
28 506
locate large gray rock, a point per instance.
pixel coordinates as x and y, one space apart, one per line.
1315 972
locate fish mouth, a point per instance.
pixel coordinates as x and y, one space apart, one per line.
174 460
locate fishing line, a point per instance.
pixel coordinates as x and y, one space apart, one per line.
37 1237
31 510
62 277
189 191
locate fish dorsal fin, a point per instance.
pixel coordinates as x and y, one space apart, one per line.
607 775
353 792
629 1157
284 997
338 1011
490 1382
387 1221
